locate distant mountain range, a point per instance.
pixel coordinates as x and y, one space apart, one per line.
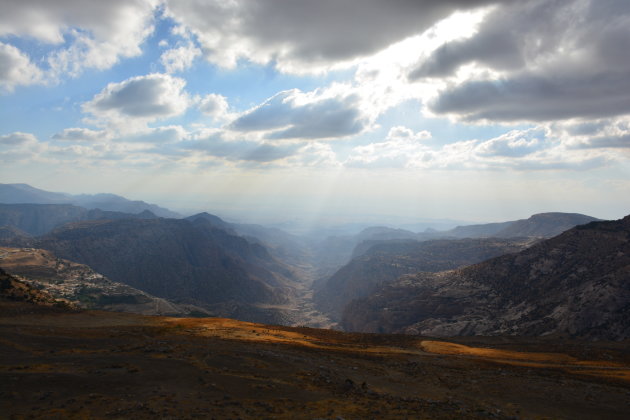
575 284
38 219
543 225
256 273
24 193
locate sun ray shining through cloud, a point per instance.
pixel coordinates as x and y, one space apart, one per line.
288 109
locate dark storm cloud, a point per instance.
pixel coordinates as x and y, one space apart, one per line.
507 38
309 31
586 128
538 98
323 118
556 60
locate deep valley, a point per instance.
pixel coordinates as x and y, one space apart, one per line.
107 314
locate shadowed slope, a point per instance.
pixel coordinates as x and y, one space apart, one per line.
576 284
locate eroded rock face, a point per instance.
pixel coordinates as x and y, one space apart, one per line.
576 284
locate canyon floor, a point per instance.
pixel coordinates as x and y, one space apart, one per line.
90 364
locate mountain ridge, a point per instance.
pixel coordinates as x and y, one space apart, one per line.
187 262
574 284
26 194
385 261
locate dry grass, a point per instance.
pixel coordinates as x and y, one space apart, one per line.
530 359
108 365
230 329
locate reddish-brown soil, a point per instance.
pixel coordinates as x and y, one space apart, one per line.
65 365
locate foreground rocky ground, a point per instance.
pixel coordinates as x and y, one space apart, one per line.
55 363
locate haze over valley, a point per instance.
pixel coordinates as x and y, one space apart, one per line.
203 265
549 278
281 209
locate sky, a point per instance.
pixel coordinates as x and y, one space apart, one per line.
345 110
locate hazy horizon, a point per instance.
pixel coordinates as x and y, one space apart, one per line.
322 112
301 221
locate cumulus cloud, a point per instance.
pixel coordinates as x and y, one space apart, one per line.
543 147
401 148
16 68
293 114
80 135
158 135
306 35
144 98
180 58
17 139
88 33
607 133
537 61
19 146
315 154
240 150
214 105
401 133
516 143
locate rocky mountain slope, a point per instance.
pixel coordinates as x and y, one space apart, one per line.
16 290
575 284
183 261
12 233
24 193
81 286
385 261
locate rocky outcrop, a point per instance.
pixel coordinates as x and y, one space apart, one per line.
576 284
81 286
14 289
